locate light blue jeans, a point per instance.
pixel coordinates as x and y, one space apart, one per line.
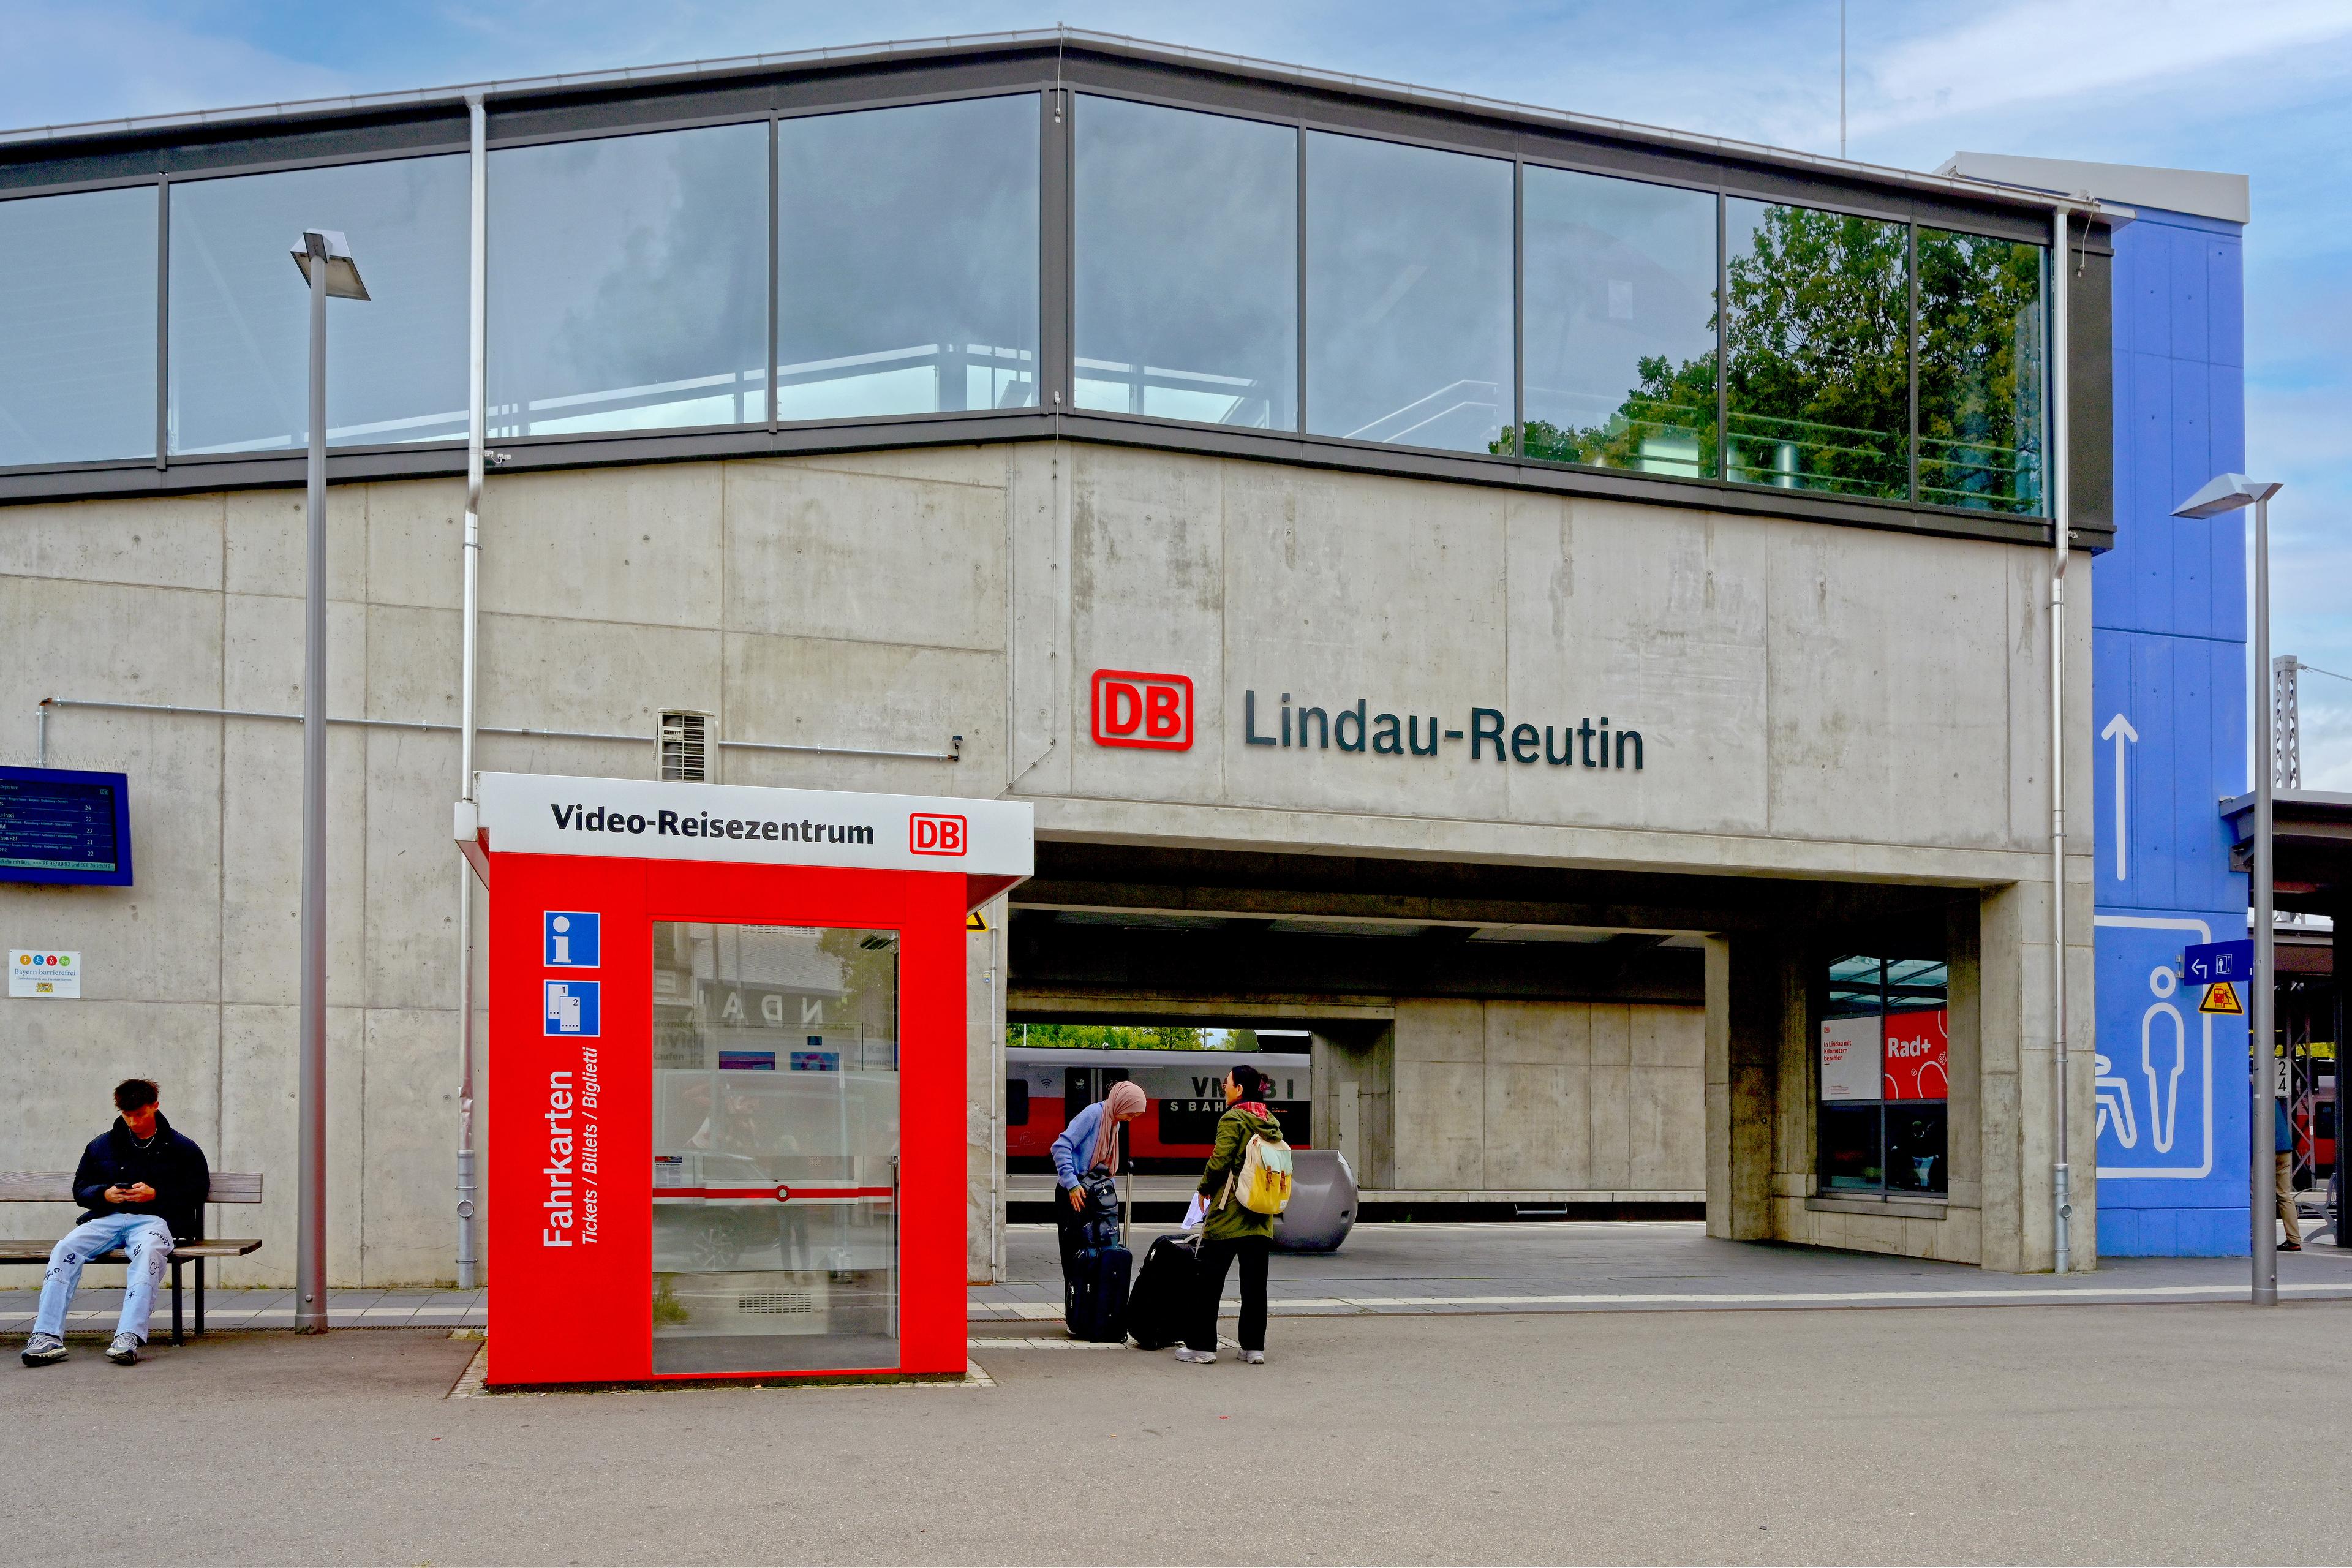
147 1240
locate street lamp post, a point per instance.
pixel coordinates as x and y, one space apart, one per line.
2228 493
326 263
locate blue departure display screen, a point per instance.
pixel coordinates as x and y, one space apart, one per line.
61 825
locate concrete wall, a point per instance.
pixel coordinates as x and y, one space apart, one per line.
1598 1097
1814 701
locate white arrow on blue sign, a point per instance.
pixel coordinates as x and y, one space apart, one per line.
2215 963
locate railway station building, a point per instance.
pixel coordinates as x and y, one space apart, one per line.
1558 611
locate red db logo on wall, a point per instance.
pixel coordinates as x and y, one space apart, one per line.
1138 707
928 835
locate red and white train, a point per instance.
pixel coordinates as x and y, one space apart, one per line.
1183 1100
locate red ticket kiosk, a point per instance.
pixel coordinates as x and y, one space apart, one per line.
727 1100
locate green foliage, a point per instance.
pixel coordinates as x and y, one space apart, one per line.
1980 401
1110 1038
1816 367
1817 387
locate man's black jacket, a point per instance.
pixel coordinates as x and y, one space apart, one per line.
171 1163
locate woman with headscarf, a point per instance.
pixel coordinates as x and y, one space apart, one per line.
1089 1143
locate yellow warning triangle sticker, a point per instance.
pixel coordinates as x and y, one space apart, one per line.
2220 997
975 922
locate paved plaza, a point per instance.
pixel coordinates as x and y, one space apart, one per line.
2098 1432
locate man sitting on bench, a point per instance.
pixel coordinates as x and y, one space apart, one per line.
142 1186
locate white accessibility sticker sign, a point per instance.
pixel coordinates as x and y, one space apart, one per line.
34 971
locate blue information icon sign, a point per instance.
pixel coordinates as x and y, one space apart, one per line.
572 1007
572 939
2216 963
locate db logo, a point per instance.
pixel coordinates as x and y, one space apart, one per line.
935 835
1137 708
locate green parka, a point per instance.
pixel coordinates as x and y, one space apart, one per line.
1228 1220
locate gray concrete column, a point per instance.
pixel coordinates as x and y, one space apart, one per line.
1756 1115
1354 1078
2002 1010
1964 1013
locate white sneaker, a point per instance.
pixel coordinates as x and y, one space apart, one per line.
44 1350
1255 1358
1198 1357
124 1351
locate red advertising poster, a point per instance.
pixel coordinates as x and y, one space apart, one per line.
1918 1046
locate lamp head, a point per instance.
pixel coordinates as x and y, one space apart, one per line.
327 247
2226 493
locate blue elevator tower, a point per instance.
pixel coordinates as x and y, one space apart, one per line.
2169 716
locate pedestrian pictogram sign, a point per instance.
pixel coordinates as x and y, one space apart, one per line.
2220 997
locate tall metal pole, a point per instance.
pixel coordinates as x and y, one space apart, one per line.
1841 78
2062 1197
2262 1212
311 1233
477 357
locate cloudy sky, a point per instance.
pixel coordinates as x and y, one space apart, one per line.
2255 87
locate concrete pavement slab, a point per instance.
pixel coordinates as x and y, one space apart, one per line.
2096 1433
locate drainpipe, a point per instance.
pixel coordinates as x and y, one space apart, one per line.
2060 524
477 357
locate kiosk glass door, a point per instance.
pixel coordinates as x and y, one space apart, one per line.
775 1223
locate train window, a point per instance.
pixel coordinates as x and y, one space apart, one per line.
1016 1103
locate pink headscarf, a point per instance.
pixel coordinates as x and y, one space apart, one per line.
1124 1102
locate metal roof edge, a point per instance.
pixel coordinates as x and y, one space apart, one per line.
2222 197
2324 800
1120 44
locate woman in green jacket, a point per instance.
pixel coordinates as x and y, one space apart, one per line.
1233 1231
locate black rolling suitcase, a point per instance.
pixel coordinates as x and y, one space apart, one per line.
1165 1293
1094 1293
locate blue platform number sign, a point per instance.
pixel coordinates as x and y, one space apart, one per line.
571 1006
2217 963
571 939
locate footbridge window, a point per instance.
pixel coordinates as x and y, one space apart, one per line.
1178 257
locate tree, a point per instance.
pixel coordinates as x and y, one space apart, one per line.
1817 378
1111 1037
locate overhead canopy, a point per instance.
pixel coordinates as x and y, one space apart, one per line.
2311 838
990 843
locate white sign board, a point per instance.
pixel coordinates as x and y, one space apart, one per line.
536 813
40 972
1852 1049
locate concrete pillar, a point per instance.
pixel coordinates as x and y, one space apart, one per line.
2017 1131
984 1098
1965 1015
1755 1131
1354 1087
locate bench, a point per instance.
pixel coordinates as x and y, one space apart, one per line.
57 1187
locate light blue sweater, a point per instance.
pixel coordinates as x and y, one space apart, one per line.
1074 1151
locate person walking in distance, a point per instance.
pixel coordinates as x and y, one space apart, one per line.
1233 1231
2283 1141
142 1186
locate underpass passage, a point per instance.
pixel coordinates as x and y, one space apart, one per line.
1503 1041
1499 1064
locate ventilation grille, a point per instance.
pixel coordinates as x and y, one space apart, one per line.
684 746
799 1303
